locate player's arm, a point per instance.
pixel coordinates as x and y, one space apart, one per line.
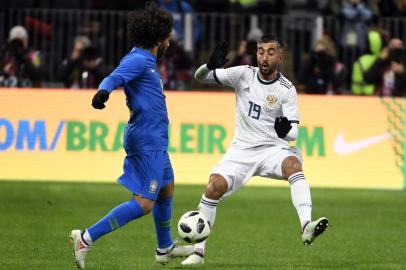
212 71
204 75
223 76
129 69
287 126
207 73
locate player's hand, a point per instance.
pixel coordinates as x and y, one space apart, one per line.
282 126
100 98
218 56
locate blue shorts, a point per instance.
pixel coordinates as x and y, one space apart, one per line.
146 172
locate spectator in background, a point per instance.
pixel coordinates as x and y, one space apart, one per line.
175 67
178 8
322 73
70 67
79 44
85 68
245 6
359 85
300 26
20 66
401 7
247 51
388 72
356 17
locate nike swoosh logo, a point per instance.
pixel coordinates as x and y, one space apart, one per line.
344 148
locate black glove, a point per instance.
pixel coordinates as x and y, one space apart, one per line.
99 99
218 56
282 126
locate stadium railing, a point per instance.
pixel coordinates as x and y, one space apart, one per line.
52 31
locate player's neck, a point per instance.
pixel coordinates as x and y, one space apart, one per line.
153 51
269 77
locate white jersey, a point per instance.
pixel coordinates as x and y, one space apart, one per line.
258 103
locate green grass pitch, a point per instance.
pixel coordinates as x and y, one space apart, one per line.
256 228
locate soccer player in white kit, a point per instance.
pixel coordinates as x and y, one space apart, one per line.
266 119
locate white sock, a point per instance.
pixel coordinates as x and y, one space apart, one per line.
86 237
208 208
301 198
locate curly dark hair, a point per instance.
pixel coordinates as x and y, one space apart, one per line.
149 26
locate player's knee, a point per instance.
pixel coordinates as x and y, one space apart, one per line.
167 191
146 204
290 166
147 208
147 211
217 187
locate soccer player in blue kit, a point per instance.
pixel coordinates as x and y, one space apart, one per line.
148 172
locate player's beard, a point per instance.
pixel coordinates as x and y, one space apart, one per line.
268 70
265 71
161 52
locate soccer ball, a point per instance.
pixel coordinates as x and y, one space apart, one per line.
194 227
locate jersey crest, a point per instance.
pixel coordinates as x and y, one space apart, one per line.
271 100
153 186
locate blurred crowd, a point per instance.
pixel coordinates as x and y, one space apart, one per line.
378 69
326 7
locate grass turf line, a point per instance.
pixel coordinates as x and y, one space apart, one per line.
256 228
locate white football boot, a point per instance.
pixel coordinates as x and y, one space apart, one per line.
194 259
174 252
313 229
80 248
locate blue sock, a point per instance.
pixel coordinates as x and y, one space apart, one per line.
162 213
118 217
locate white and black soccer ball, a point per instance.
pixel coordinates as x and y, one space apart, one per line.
194 227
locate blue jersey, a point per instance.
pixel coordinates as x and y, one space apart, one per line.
147 128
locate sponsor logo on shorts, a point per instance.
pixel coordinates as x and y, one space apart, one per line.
153 186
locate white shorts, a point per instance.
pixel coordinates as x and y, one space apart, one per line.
239 165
